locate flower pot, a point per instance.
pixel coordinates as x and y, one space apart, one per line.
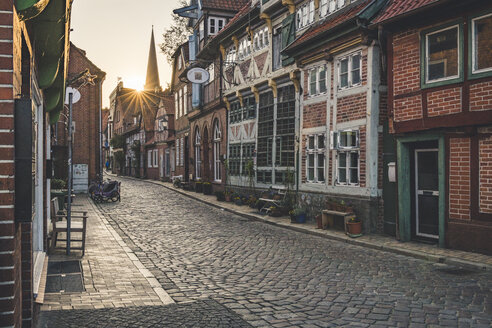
354 228
301 218
227 198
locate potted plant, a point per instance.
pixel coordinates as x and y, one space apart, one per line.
207 188
198 186
220 196
354 227
274 211
298 214
228 196
238 201
252 201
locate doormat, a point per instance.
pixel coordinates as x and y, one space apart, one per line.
64 277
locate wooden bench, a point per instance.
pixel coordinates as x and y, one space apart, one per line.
78 224
328 218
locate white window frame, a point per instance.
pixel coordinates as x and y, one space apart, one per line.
156 162
185 100
149 158
323 8
201 29
347 150
315 151
198 155
181 156
217 25
211 72
176 104
350 83
316 70
177 152
427 57
217 162
180 63
305 15
474 49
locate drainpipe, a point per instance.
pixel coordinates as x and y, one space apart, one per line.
100 133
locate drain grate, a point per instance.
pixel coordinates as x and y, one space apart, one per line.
64 276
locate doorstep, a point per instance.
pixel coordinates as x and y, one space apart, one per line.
376 241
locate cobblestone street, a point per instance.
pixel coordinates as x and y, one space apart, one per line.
271 276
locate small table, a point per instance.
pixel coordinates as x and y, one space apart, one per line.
329 216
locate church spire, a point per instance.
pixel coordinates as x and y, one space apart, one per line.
152 80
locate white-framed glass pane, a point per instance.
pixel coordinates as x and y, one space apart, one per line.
482 43
322 79
311 12
356 76
321 167
442 54
344 73
312 82
324 8
211 23
310 167
340 3
311 142
221 24
333 6
321 141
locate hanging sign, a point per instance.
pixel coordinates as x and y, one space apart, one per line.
198 75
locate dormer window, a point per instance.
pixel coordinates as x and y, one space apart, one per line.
330 6
305 15
215 25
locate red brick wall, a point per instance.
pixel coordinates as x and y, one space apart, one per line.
459 178
314 115
351 107
485 154
406 62
481 96
408 108
444 102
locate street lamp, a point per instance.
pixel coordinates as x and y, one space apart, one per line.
72 96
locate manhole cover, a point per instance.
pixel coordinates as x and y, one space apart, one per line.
64 276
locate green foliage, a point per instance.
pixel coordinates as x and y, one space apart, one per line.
119 158
118 141
175 35
58 184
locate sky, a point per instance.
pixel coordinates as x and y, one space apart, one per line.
116 37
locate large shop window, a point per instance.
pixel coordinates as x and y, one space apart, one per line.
315 158
265 129
234 159
217 137
482 44
198 155
347 145
349 71
285 127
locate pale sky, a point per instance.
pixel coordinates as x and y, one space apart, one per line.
116 36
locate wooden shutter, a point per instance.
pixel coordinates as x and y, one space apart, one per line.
288 36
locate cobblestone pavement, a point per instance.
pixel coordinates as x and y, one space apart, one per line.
276 277
207 314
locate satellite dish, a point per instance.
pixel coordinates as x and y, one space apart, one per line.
75 95
198 75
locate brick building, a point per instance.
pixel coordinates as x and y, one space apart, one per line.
87 121
440 104
34 55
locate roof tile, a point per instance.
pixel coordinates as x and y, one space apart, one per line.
400 7
224 4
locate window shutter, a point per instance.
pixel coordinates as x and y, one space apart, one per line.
288 36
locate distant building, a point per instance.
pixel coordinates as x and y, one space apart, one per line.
87 122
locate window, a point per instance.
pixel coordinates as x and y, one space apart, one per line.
185 100
202 30
317 80
235 112
265 129
211 72
305 15
215 25
176 104
247 157
181 148
234 159
249 109
276 48
217 138
284 154
149 158
260 39
244 48
177 152
482 44
349 72
323 8
156 164
180 62
347 143
315 158
198 155
180 102
231 56
442 55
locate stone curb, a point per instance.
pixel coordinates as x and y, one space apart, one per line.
400 251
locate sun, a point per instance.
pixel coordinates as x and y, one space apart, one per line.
136 83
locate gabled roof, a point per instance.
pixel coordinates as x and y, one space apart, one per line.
396 8
337 19
232 5
243 11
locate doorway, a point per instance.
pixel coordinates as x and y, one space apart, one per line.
426 194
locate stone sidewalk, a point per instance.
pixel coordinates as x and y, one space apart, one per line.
112 275
375 241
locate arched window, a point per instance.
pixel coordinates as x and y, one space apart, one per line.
198 154
217 137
